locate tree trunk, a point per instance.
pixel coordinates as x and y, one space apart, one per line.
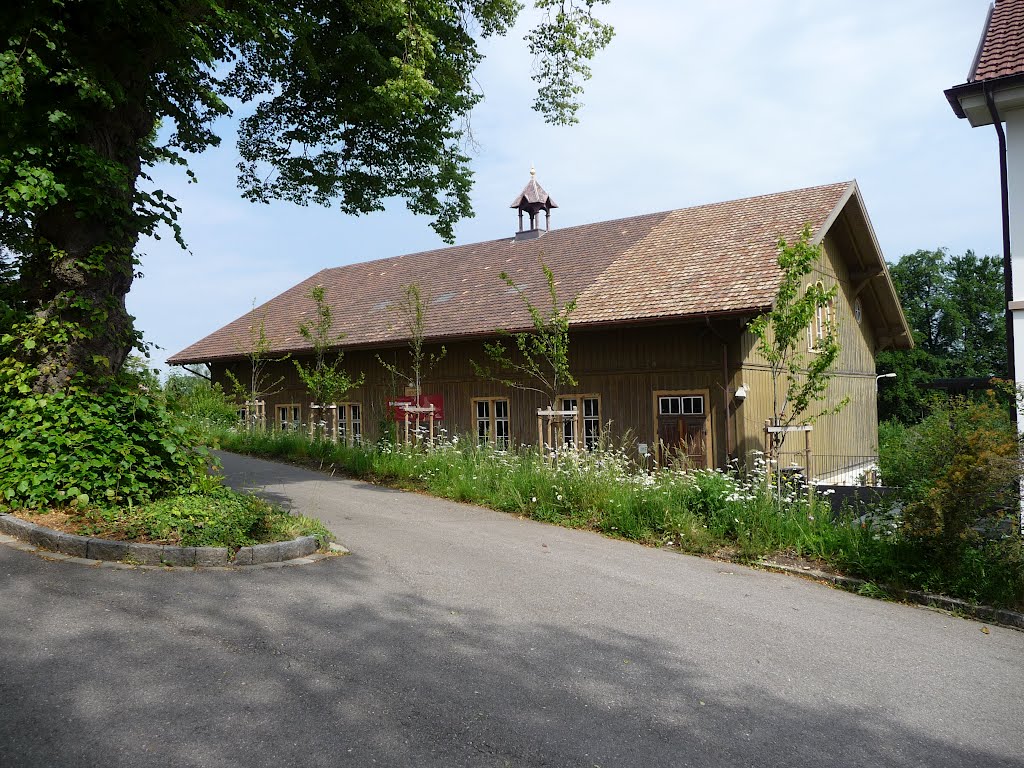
87 303
82 261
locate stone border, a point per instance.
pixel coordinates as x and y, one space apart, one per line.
67 546
1001 616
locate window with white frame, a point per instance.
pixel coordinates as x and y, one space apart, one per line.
492 421
350 423
681 405
289 416
591 416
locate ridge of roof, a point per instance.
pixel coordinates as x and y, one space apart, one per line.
622 220
711 258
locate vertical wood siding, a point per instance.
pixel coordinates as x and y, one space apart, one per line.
625 366
852 434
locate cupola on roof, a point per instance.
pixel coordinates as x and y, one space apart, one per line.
532 200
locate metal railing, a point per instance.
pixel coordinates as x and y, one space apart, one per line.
825 469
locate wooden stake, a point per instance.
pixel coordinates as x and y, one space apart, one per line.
807 464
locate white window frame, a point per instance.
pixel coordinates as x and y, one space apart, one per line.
285 410
350 423
492 422
824 317
685 401
591 423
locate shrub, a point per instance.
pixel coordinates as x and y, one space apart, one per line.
77 447
199 404
958 473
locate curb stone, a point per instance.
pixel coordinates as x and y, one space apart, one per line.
75 546
57 545
1001 616
105 549
266 553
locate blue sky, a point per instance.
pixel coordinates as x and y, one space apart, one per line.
693 102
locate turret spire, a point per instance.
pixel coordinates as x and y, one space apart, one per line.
532 200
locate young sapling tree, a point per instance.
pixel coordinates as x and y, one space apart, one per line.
261 383
324 378
412 309
539 358
797 340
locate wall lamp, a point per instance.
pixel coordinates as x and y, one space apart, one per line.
883 376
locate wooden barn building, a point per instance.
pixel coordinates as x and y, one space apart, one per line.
659 341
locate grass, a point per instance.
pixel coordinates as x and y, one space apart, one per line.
705 512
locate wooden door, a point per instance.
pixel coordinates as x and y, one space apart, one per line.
682 430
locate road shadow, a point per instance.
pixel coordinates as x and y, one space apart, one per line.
321 666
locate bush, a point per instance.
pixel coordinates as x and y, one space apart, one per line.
957 472
199 404
77 447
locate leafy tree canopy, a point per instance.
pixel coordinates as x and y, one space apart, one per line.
955 308
351 102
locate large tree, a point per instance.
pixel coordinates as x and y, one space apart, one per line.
349 102
954 306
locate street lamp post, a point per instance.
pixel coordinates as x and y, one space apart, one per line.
883 376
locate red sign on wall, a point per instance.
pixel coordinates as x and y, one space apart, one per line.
426 401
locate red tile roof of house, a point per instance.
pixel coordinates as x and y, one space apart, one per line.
1001 53
711 259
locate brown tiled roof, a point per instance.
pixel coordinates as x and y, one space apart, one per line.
712 259
1002 48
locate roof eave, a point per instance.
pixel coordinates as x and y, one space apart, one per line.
585 326
899 336
968 99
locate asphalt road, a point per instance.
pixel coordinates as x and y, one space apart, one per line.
455 636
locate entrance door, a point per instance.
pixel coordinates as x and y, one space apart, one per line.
682 429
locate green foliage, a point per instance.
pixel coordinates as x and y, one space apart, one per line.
218 517
79 447
326 380
413 308
955 309
782 337
958 473
563 45
541 359
199 403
